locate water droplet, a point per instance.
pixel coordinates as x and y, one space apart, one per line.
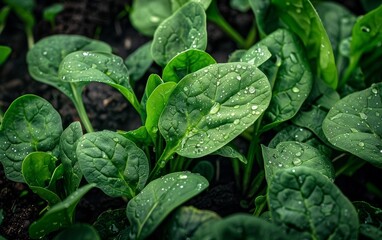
365 29
238 78
85 54
215 108
374 90
185 89
254 107
296 162
154 19
363 116
298 154
295 89
252 89
293 58
162 164
182 176
361 144
298 10
237 121
353 130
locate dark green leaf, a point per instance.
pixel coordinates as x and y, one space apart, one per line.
290 154
185 29
354 124
30 124
256 55
369 5
139 61
185 63
267 19
290 133
59 216
78 232
236 55
83 67
114 163
110 223
230 152
46 55
206 169
139 136
306 202
151 206
212 106
241 5
301 17
5 51
186 220
370 232
51 12
68 157
240 227
368 214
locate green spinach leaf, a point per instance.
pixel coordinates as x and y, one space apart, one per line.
78 232
210 107
110 223
185 63
185 29
114 163
150 207
307 203
139 61
30 124
354 125
256 55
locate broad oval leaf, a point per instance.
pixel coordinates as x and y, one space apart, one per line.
139 61
59 216
46 55
84 67
289 74
185 63
185 29
290 154
239 227
30 124
38 168
212 106
114 163
354 124
151 206
154 107
307 203
301 17
68 145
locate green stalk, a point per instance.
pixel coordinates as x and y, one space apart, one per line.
30 38
161 162
79 105
214 16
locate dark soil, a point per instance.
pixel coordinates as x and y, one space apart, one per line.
106 108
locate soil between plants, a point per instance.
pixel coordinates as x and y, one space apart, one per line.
107 109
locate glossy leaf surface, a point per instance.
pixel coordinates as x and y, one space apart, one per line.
308 203
185 63
151 206
290 154
185 29
212 106
114 163
354 124
30 124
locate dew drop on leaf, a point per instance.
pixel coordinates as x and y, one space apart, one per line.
215 108
293 58
182 176
365 29
295 89
363 116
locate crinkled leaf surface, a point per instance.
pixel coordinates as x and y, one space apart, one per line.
306 202
289 74
301 17
290 154
68 157
30 124
114 163
139 61
151 206
354 124
184 63
155 105
238 227
46 55
59 216
210 107
84 67
185 29
186 221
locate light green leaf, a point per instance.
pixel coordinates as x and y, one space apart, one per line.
212 106
154 107
185 63
139 61
354 124
289 74
301 18
290 154
185 221
46 55
185 29
176 4
30 124
307 203
114 163
59 216
241 5
239 227
83 67
151 206
153 81
68 157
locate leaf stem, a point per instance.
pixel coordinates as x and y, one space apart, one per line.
30 38
161 162
214 16
79 105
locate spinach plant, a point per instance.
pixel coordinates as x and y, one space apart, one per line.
289 94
